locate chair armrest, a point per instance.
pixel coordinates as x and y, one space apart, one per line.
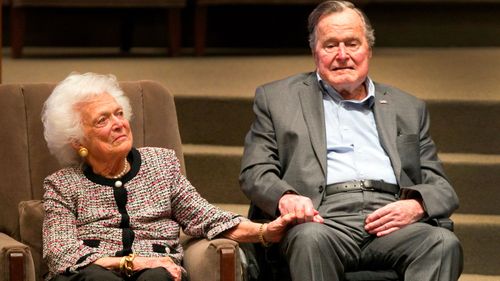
212 260
442 222
16 261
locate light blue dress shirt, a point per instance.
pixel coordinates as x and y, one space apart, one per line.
353 147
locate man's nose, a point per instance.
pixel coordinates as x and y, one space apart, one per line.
341 52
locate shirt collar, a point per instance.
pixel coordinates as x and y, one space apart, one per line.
330 91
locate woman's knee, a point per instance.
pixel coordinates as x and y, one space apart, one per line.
90 273
155 274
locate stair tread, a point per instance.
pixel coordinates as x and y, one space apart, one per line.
476 219
457 158
242 209
476 277
212 149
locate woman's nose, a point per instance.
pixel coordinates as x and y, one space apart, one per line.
117 122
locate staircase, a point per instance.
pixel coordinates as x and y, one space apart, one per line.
214 96
466 131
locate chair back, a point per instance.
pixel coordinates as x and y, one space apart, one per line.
25 159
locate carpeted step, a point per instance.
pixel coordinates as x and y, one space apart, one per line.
214 170
465 126
456 126
476 277
476 179
480 238
214 120
477 233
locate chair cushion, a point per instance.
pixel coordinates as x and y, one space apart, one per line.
31 214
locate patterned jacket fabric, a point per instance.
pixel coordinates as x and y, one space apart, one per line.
87 217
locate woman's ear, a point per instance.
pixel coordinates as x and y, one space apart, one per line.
76 144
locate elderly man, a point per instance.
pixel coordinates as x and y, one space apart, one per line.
353 159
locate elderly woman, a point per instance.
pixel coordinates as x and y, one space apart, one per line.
116 211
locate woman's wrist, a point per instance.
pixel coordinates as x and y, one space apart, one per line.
262 232
127 265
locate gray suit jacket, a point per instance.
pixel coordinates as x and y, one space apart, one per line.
285 149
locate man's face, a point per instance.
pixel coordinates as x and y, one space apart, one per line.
341 52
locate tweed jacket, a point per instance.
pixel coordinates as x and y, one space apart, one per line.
285 149
87 217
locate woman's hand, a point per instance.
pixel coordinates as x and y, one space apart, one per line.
175 270
247 231
139 263
276 229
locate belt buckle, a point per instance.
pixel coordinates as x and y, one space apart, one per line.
365 183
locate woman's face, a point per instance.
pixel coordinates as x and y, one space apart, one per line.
106 131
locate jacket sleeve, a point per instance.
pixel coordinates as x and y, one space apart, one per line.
62 250
261 168
195 214
428 178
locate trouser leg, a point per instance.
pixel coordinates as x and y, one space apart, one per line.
90 273
154 274
418 252
317 252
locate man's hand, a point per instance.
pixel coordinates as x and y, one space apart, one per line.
394 216
301 206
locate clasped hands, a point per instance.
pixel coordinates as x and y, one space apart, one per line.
383 221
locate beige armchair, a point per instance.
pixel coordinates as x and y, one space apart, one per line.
25 161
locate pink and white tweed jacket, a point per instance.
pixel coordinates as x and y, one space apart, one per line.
87 217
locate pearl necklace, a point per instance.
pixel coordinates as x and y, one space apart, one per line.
126 166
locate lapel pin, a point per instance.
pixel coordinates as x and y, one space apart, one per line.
383 101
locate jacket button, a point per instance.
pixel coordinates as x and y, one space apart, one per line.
321 188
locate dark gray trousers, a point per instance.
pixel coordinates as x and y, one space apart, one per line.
323 252
98 273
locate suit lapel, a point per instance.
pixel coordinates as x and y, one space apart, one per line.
385 118
311 100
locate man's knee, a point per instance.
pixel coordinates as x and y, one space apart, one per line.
315 238
307 234
451 246
444 245
447 239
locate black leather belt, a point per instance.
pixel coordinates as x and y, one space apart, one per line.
359 185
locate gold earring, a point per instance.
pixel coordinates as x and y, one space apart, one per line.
83 152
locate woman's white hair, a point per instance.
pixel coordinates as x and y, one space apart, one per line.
62 122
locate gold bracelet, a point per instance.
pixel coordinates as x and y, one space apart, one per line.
261 236
122 263
127 265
